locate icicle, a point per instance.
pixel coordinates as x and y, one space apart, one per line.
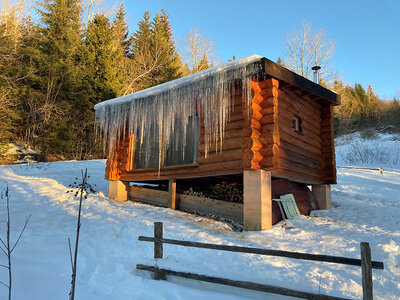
207 94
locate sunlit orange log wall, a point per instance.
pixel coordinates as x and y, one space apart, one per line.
257 137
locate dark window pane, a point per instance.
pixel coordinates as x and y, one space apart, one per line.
183 148
147 152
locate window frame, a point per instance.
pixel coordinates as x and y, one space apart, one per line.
297 124
133 153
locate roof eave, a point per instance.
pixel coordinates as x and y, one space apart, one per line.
281 73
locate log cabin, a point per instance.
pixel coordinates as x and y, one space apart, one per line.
249 119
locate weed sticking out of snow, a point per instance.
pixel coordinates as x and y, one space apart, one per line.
76 188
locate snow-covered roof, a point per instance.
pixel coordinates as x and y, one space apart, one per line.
177 83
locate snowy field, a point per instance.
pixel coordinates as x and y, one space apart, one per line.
381 151
366 207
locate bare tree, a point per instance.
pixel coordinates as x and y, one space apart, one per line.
14 30
143 64
198 51
7 247
94 7
12 13
74 260
305 48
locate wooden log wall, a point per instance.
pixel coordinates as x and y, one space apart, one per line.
299 154
119 162
111 172
306 156
328 147
251 132
269 138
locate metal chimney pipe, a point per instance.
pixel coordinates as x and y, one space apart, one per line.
316 73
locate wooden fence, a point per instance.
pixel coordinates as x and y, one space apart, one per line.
365 262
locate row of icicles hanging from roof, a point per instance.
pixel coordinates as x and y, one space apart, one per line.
207 94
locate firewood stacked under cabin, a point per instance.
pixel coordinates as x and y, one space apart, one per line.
232 192
226 191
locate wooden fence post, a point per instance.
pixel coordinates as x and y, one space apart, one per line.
366 271
158 246
158 249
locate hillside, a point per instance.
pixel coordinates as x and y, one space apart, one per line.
366 207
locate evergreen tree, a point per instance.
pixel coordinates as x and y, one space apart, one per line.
143 62
390 113
154 57
121 48
121 32
349 114
164 49
101 60
141 39
57 76
374 105
102 78
360 109
360 93
32 104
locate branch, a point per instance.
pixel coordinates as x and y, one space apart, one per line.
149 70
1 248
4 284
22 231
1 240
70 255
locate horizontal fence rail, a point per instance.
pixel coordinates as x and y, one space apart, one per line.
361 168
297 255
241 284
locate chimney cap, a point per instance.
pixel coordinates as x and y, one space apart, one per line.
315 68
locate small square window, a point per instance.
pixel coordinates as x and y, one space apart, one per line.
297 124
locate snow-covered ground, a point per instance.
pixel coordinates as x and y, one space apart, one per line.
366 207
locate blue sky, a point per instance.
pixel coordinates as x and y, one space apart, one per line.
367 33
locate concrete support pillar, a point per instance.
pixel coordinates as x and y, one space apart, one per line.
257 200
118 190
322 194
